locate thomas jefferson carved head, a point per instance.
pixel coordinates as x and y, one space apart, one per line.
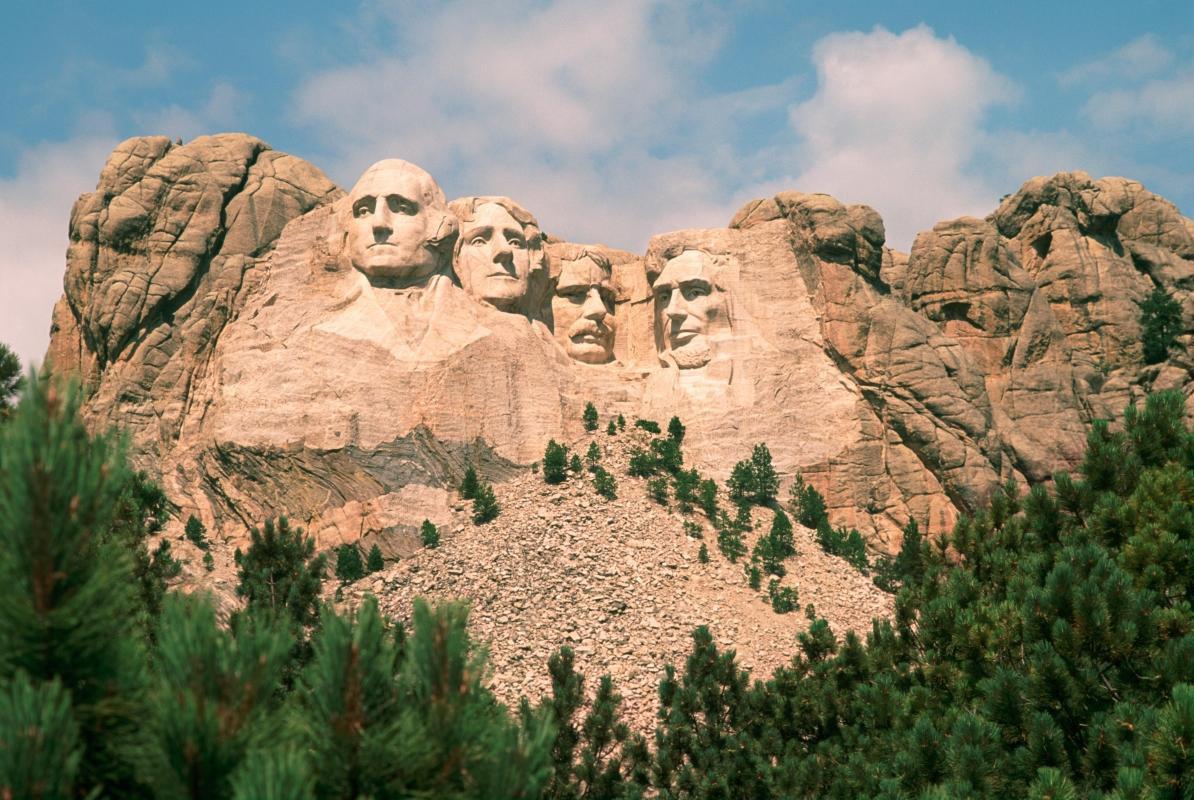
582 308
691 307
397 224
499 257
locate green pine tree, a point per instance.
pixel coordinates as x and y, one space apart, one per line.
196 533
594 453
40 750
575 465
11 379
68 590
590 417
280 575
611 429
216 697
555 463
1160 325
375 562
485 505
349 566
429 534
469 484
675 430
657 489
604 483
621 423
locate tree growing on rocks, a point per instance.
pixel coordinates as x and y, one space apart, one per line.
593 454
1160 323
611 429
196 533
485 505
675 430
604 483
754 480
469 483
280 575
349 566
555 463
429 534
590 417
375 562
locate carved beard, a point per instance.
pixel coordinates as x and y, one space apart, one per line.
692 355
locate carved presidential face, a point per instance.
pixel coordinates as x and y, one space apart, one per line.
495 257
397 220
690 310
582 309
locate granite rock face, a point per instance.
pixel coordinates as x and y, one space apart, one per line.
277 346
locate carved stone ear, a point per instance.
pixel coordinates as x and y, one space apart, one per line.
445 231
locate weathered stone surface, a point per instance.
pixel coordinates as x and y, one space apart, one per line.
276 346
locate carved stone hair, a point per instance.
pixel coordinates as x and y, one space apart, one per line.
465 210
656 261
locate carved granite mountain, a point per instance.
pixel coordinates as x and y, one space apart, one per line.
276 346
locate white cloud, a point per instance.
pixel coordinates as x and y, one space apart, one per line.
560 105
1145 55
219 113
35 206
1155 108
896 123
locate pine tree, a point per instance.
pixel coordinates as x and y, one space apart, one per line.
555 463
429 534
766 481
66 593
675 430
808 505
39 740
703 554
11 380
590 417
280 575
209 563
485 505
141 512
611 429
349 566
648 425
375 563
273 774
708 498
1160 324
469 484
621 423
657 490
687 484
668 455
594 453
196 533
574 464
604 483
216 693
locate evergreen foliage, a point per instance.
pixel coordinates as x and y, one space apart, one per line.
485 505
196 533
215 697
668 455
783 598
67 594
687 484
675 430
643 463
604 483
555 462
611 429
11 379
657 489
280 575
140 513
593 455
1160 325
209 563
590 417
429 534
707 497
808 505
648 425
693 529
349 566
469 483
375 562
754 480
39 740
575 465
621 423
703 554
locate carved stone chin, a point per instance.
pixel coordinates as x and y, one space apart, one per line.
690 309
396 224
582 309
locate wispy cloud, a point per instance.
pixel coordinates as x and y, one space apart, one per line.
35 209
896 123
1156 108
1143 56
220 112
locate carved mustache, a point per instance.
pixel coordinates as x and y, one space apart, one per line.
587 326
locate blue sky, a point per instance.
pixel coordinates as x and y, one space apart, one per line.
610 121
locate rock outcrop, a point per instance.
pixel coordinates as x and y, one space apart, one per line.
277 346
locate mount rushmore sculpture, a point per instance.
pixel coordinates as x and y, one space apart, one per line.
274 345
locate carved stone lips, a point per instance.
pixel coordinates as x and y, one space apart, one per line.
684 337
